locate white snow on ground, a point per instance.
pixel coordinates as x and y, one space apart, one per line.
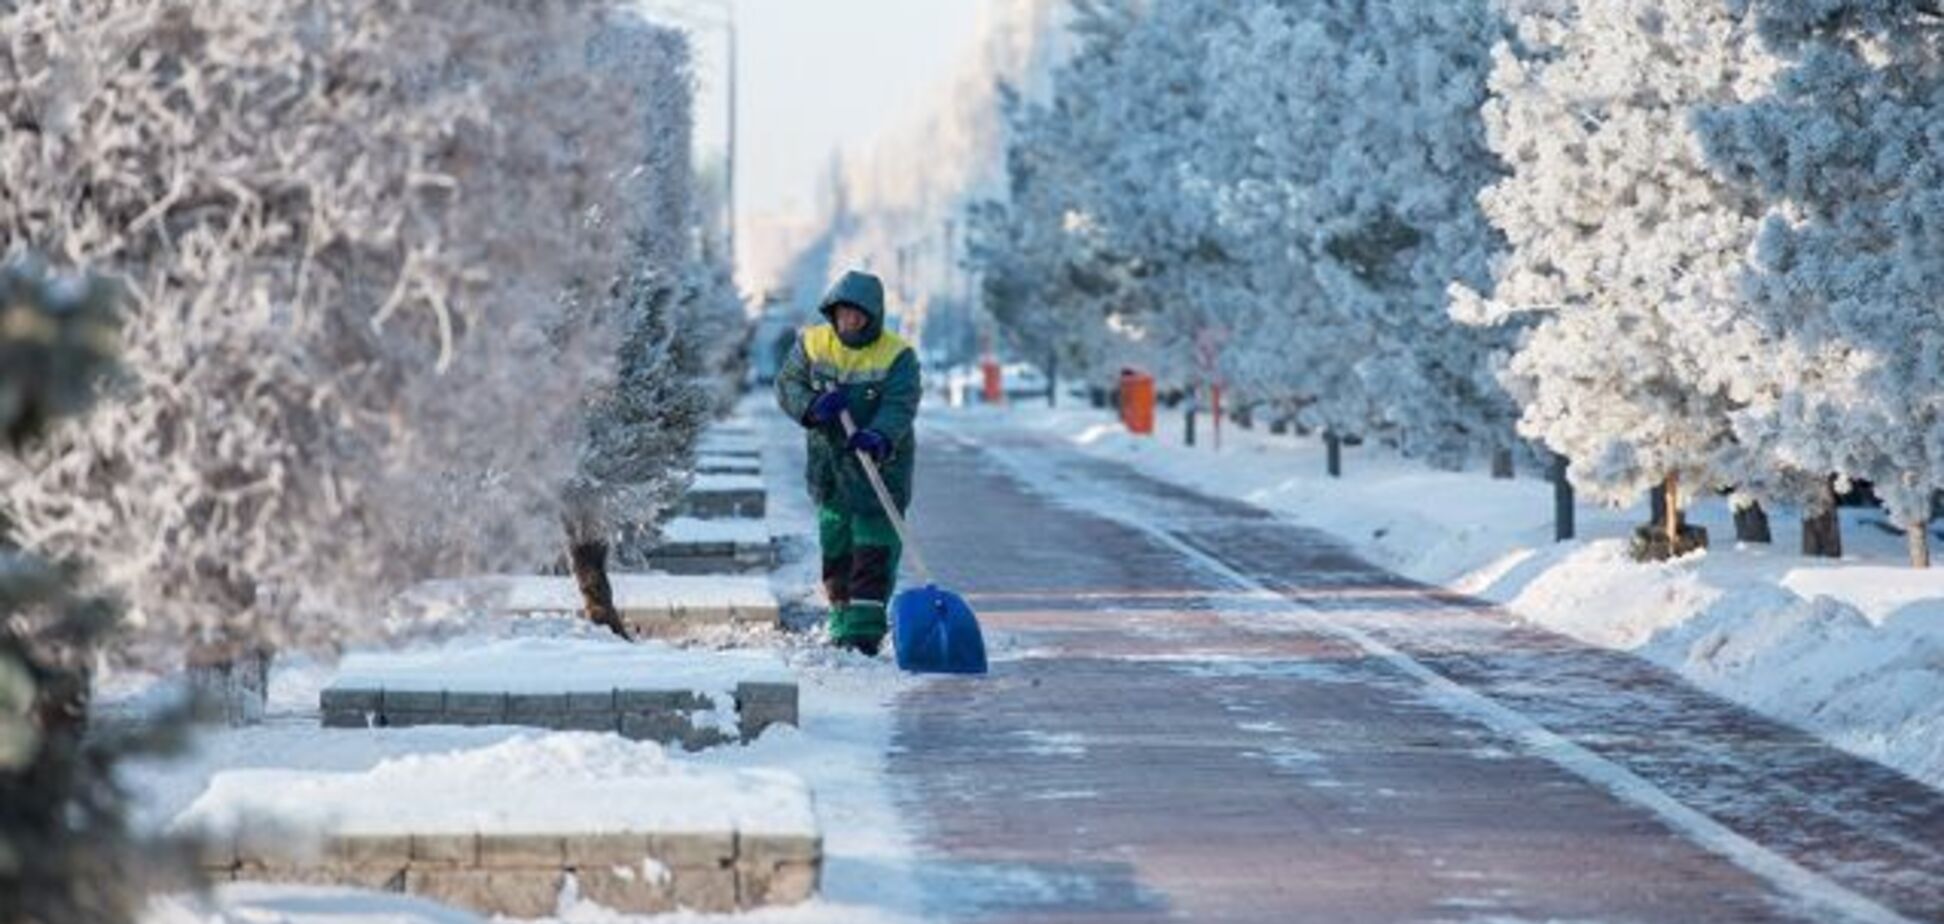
529 784
740 531
872 870
711 483
257 903
558 665
546 593
1850 650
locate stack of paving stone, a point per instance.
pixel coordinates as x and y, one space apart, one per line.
733 487
522 875
720 526
667 716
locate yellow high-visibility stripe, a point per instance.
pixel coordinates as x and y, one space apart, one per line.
831 360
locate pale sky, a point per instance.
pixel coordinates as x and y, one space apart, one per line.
817 74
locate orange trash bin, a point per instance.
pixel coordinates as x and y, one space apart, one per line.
1137 401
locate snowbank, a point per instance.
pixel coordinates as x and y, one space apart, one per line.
1850 650
575 782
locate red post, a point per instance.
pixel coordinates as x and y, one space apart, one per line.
1137 401
995 385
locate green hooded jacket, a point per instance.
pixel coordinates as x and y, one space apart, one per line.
879 376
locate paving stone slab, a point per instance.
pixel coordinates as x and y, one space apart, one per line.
659 701
415 701
778 848
337 719
346 699
512 893
520 875
630 888
666 716
606 848
372 850
693 848
535 708
707 890
519 851
776 884
729 464
455 850
476 705
410 719
591 701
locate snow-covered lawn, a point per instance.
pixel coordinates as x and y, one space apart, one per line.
1851 650
837 755
375 778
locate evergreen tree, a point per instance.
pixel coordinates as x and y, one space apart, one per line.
66 850
1623 243
1846 165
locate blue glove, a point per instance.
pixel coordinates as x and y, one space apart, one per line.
871 443
828 407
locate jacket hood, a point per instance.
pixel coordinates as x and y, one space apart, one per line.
864 291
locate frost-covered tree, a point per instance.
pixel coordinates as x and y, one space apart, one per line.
66 850
1846 161
1623 242
1272 196
1356 158
1105 227
666 314
358 242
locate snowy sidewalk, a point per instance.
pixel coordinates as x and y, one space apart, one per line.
1202 712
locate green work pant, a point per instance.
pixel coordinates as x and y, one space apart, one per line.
860 569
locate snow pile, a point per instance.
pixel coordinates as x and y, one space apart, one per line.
1849 650
529 784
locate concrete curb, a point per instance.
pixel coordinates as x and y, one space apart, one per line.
665 716
521 875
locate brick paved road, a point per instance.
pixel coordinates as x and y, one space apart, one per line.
1201 713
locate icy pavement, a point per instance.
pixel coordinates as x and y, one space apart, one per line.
1202 712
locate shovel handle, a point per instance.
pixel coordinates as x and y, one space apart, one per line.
884 499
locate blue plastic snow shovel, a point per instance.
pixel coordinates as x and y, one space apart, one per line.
933 629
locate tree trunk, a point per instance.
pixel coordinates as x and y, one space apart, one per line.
1673 519
1919 535
1245 417
1279 426
1053 379
1188 434
1563 526
231 685
1822 530
1333 453
588 560
1752 524
1657 509
1502 463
